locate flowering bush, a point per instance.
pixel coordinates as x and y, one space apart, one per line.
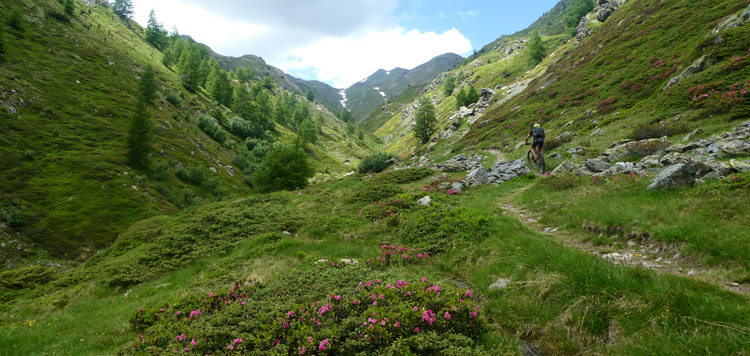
737 63
561 181
606 105
397 255
443 184
402 176
718 96
385 210
369 315
647 147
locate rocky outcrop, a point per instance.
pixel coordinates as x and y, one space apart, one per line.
678 175
602 11
697 66
505 171
736 20
459 163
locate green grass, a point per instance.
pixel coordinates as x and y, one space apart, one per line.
707 221
564 301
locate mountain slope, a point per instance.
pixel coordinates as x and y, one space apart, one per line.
601 90
69 84
324 93
370 93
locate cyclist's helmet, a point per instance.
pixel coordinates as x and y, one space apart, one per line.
537 125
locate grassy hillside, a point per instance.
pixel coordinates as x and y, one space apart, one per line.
69 86
612 82
253 266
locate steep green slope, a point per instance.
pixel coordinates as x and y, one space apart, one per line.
611 83
69 88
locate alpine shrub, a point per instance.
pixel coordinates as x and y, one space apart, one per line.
375 163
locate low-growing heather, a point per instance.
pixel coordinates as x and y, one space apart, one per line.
374 192
353 316
388 210
402 176
561 181
647 147
441 228
397 255
656 130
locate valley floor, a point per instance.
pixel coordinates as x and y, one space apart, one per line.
486 278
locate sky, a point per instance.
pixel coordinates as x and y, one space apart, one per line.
341 42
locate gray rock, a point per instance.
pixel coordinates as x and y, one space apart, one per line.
464 112
626 168
670 158
478 176
520 144
457 186
230 171
505 171
714 148
712 175
733 21
691 136
723 169
651 161
697 66
583 171
566 167
735 147
425 201
677 175
597 132
596 165
501 283
566 136
739 166
617 153
683 147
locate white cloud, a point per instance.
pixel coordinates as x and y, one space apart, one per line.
341 41
466 14
346 60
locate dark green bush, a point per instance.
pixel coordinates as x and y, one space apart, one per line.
210 127
15 215
283 168
192 175
173 98
161 171
375 163
369 193
442 228
657 130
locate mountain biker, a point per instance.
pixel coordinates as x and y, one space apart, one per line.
537 132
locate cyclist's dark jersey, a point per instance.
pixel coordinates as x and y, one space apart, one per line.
538 134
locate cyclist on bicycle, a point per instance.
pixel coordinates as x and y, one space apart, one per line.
537 132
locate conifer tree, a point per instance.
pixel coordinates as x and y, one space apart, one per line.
69 6
123 8
282 112
537 49
449 85
147 85
576 10
472 96
460 98
265 110
219 86
301 112
139 136
243 104
310 95
308 132
156 35
204 69
189 66
425 120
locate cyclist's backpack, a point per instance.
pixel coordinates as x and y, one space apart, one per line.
537 133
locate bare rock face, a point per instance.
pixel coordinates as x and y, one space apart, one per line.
505 171
677 175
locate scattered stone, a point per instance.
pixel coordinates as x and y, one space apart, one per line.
566 136
735 147
569 123
596 165
287 233
691 136
739 166
478 176
677 175
212 169
566 167
230 171
501 283
457 186
505 171
425 201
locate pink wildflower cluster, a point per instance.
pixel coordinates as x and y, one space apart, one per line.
392 254
440 184
383 210
719 96
737 63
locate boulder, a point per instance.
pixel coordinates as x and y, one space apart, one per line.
739 166
735 147
478 176
651 161
670 158
505 171
681 148
691 136
677 175
457 186
566 167
733 21
723 169
464 112
596 165
425 201
626 168
456 164
617 153
566 136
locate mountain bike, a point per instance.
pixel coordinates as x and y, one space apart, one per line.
539 163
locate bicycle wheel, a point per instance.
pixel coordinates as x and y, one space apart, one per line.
530 158
540 161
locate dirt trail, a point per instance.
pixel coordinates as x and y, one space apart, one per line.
648 254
